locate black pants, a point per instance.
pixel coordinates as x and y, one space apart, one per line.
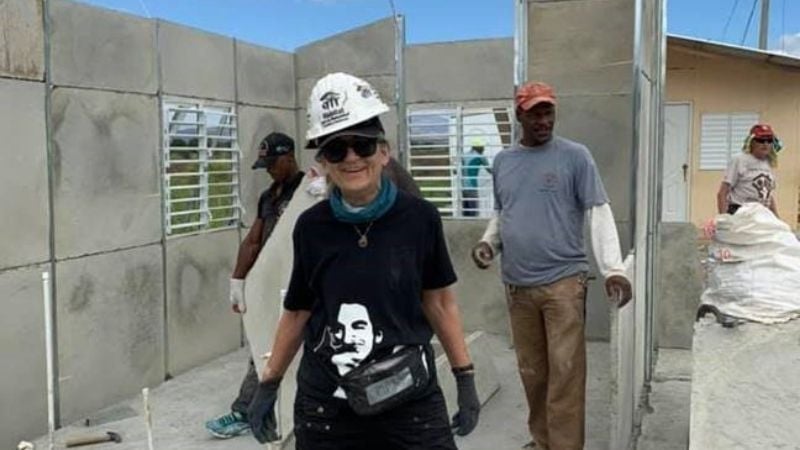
470 202
247 390
331 425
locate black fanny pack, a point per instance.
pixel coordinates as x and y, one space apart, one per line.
383 384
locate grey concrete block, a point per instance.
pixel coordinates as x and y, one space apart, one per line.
368 50
679 284
254 125
24 221
604 124
22 39
110 328
579 35
265 76
106 171
480 293
23 392
745 388
201 325
460 71
195 63
92 47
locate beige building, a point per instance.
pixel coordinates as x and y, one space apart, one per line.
715 92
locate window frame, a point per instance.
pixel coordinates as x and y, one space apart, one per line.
450 141
215 186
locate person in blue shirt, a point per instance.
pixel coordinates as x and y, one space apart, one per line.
473 161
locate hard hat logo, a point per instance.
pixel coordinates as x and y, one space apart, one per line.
330 100
333 108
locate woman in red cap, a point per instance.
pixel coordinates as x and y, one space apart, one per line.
749 177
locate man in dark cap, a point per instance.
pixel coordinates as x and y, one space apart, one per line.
276 155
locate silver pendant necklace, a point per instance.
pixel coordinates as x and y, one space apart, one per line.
362 240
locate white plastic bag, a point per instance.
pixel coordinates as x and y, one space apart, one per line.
756 267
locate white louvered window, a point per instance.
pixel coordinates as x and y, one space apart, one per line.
201 161
443 156
722 136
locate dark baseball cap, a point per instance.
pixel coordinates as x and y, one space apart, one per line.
274 145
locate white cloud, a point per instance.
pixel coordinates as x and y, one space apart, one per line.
789 44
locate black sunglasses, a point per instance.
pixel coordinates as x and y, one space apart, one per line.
335 151
763 140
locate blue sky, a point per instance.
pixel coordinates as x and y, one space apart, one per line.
288 24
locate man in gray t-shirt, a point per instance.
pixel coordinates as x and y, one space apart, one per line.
545 187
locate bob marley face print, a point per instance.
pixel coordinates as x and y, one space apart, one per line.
353 338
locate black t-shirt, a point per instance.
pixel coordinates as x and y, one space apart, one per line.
271 206
364 301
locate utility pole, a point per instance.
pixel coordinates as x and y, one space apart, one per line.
763 36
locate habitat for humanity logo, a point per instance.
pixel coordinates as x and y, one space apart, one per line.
333 108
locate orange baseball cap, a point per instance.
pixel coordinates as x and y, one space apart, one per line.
762 130
532 93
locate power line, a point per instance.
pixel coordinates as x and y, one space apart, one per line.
730 17
749 21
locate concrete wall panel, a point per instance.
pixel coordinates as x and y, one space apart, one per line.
110 328
200 324
460 71
368 50
679 285
480 293
22 39
106 171
254 125
23 393
745 388
98 48
570 32
24 222
603 124
265 76
195 63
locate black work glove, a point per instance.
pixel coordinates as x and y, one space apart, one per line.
469 407
261 412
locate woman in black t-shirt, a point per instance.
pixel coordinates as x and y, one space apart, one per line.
369 287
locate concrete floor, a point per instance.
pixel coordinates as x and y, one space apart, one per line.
666 425
181 406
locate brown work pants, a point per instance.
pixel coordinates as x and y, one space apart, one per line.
547 324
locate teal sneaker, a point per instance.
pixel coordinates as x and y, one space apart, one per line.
228 426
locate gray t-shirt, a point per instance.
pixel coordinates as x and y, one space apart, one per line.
542 194
751 180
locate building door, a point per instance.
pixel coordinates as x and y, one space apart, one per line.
676 163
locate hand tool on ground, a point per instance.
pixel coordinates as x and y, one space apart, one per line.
110 436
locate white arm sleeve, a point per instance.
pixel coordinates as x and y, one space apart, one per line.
492 234
605 241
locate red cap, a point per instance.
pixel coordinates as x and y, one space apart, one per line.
762 130
532 93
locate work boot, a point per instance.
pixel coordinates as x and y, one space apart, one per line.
228 426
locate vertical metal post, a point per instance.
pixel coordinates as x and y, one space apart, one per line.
520 56
50 355
763 30
456 183
52 319
166 223
400 89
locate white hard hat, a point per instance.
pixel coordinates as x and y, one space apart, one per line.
339 101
